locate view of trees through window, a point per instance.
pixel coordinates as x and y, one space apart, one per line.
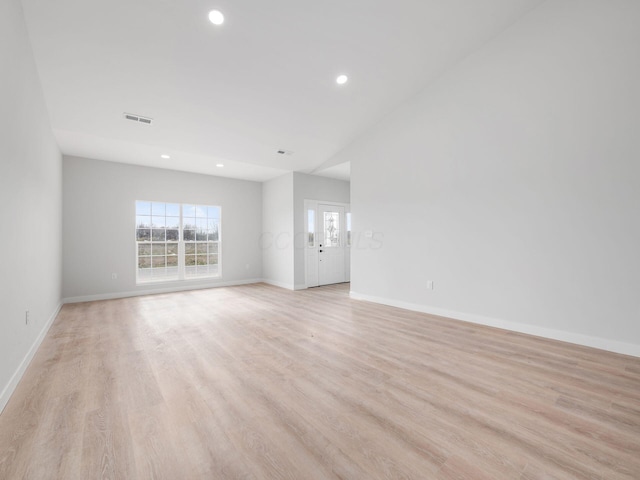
176 242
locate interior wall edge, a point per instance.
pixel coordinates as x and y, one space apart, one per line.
10 387
549 333
275 283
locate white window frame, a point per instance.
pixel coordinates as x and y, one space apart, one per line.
182 274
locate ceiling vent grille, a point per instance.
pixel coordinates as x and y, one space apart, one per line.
138 118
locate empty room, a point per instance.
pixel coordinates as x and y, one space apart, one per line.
320 240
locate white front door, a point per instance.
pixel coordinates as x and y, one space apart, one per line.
331 244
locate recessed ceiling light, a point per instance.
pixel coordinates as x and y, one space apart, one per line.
216 17
342 79
166 157
219 165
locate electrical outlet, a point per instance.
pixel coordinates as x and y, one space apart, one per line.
430 285
27 317
114 276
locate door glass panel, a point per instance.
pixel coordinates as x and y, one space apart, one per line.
311 221
331 229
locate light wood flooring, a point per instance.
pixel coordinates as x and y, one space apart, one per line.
256 382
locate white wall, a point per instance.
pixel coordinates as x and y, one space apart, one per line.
30 204
99 225
311 187
277 231
513 183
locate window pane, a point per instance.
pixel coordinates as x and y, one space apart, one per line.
158 221
173 210
213 247
158 209
159 273
189 248
173 222
143 208
143 221
213 259
158 235
172 272
189 260
201 212
201 235
201 223
189 211
172 261
143 235
173 235
158 249
144 262
189 235
213 237
172 249
144 249
201 259
201 248
158 261
213 212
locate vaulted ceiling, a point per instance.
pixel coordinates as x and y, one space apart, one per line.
263 81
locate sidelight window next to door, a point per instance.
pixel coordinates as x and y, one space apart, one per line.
176 241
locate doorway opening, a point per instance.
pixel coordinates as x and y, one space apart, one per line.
327 243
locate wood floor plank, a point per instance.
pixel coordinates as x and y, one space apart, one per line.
256 382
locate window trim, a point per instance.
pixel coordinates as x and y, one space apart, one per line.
181 277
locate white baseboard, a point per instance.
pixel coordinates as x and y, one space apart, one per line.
153 291
564 336
275 283
10 387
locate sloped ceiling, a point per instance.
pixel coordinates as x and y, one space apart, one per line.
235 94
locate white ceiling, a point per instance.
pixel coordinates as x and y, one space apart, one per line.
263 81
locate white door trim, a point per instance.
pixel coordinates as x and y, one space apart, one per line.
311 251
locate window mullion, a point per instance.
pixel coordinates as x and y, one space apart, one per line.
181 247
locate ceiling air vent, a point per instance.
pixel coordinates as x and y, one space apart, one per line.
138 118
